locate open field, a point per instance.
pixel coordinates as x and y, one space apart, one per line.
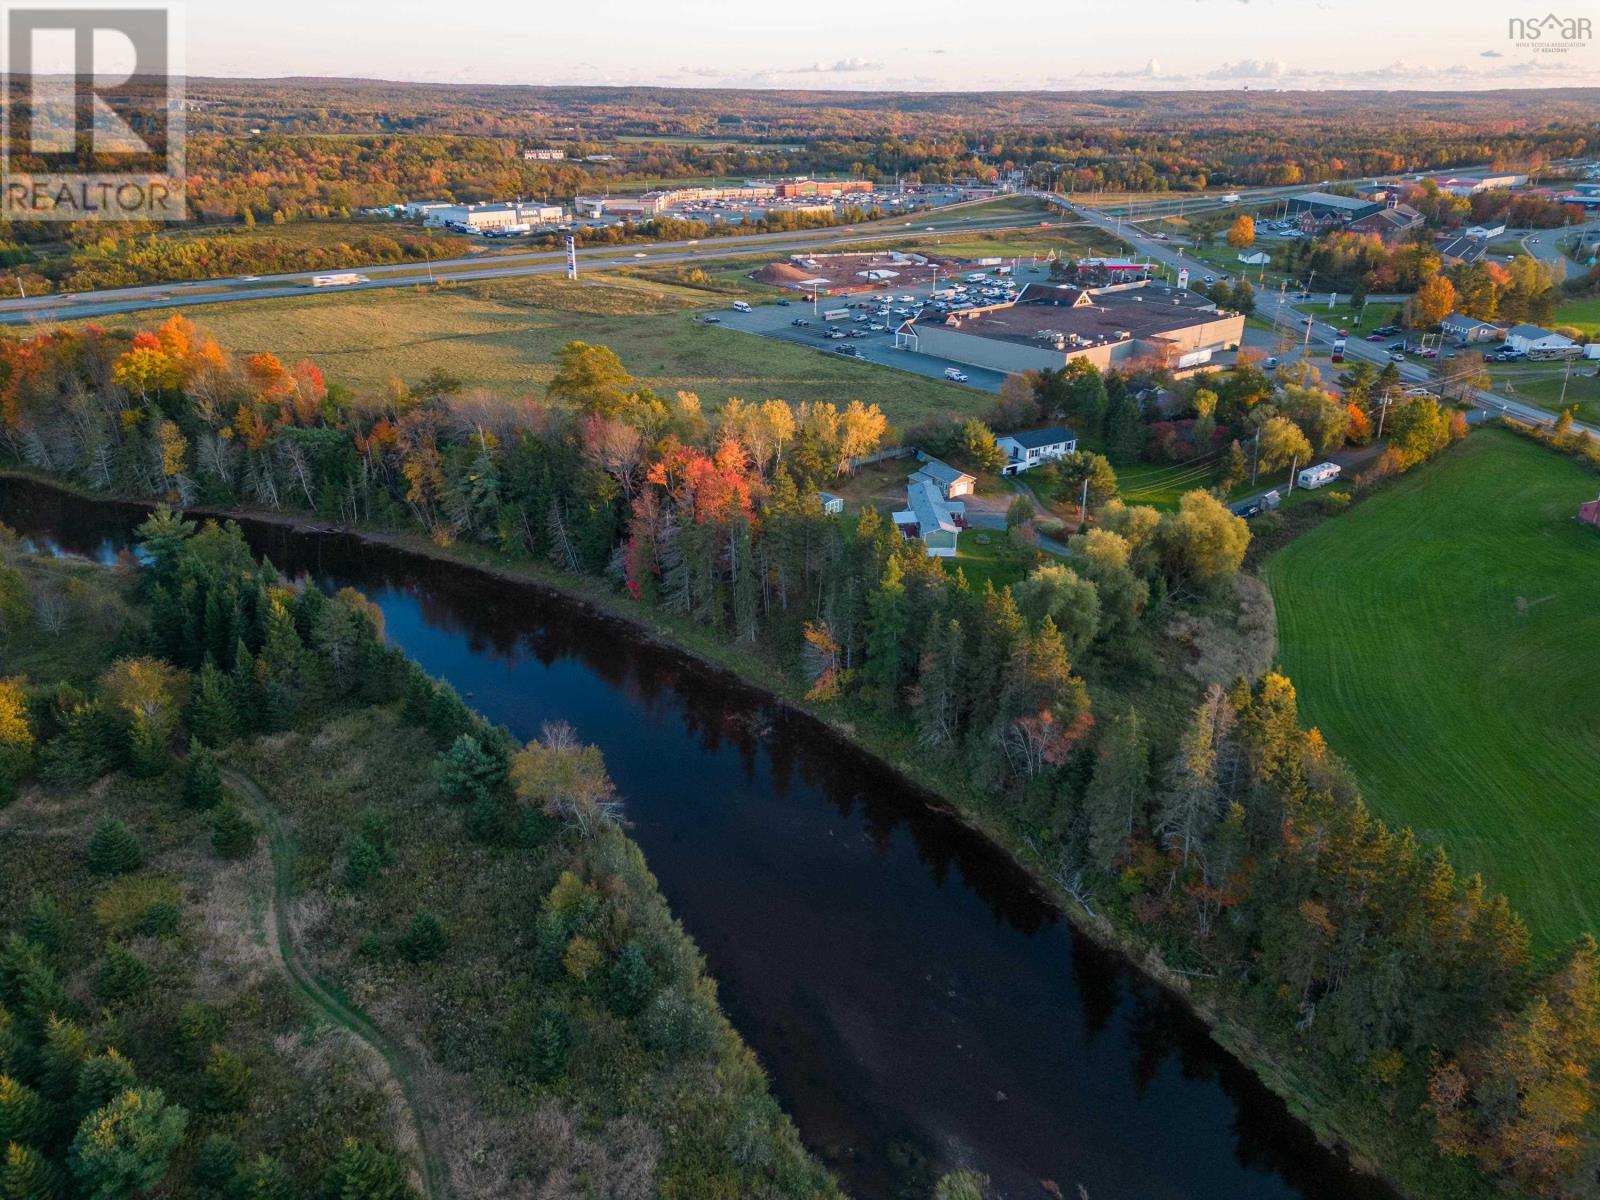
1443 635
503 337
1585 314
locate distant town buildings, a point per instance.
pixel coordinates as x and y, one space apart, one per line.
1317 211
545 154
752 191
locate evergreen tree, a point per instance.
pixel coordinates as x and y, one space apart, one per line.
629 981
888 637
124 1148
549 1047
25 1174
469 771
24 1116
233 835
217 1164
425 939
66 1048
939 685
123 975
225 1083
364 862
101 1079
211 713
1119 789
1125 431
46 925
113 850
265 1179
202 785
363 1172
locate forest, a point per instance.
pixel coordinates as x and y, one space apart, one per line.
147 1046
1214 829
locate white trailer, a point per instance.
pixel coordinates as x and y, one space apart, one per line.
836 314
1315 477
342 279
1592 350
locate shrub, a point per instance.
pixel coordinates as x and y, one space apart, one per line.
266 1179
199 1027
677 1025
161 919
363 864
426 938
469 771
1334 503
549 1047
113 850
233 835
123 907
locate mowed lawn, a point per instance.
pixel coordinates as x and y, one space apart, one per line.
1445 636
504 338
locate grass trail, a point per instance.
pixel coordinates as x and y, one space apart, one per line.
399 1061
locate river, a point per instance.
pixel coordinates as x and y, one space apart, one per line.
918 1003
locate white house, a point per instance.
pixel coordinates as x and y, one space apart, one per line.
947 481
930 516
1470 329
1526 338
1034 446
1259 258
1485 231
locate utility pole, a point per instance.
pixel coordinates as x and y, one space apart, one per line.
1255 458
20 289
1083 505
1294 465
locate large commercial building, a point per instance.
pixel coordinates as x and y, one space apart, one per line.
752 191
1326 208
1049 326
481 218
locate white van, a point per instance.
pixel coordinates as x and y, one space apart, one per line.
740 306
956 374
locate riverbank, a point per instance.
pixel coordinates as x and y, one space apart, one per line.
1316 1108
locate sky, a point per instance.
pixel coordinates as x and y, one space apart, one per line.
929 45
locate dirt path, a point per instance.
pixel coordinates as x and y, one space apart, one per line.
399 1062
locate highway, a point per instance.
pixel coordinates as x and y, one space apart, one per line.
1278 310
66 307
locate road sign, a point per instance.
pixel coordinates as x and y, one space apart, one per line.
1183 277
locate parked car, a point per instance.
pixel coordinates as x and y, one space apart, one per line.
1374 337
799 321
713 320
849 350
783 304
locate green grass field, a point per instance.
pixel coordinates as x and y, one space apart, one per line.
1585 314
503 337
1444 636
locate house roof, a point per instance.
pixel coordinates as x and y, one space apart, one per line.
1466 249
1329 200
1398 218
1083 317
1034 439
1533 332
930 509
941 473
1456 319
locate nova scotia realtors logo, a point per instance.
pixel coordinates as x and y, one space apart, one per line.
92 115
1551 34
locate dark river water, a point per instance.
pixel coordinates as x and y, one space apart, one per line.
918 1004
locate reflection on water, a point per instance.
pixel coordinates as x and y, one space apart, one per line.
918 1003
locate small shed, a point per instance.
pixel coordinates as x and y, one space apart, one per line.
1589 514
831 504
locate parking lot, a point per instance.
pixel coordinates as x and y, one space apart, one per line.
797 319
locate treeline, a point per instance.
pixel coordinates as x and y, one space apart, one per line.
1237 843
625 1023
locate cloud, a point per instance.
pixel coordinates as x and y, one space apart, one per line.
1248 68
1491 54
843 66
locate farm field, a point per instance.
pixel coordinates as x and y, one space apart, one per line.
503 337
1585 314
1443 635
